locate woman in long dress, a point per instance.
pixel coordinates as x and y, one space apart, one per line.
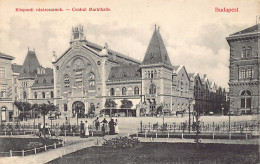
116 127
86 129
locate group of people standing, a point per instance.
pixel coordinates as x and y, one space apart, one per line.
112 125
84 131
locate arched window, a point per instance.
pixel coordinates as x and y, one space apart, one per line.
243 55
112 92
129 91
35 95
44 81
43 95
24 95
136 91
66 80
246 99
65 107
243 73
155 74
152 89
148 74
123 91
52 94
151 74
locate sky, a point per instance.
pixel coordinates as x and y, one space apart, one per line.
193 33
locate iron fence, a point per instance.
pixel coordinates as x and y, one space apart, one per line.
235 127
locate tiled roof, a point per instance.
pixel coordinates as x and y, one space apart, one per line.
16 68
126 72
2 55
111 52
44 80
30 65
156 51
253 29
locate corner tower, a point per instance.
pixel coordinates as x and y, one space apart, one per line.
157 74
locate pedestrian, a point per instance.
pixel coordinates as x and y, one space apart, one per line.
97 123
86 129
105 123
103 129
116 127
111 127
81 129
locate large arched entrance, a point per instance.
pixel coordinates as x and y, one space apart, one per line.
78 109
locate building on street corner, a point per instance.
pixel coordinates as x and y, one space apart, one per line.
244 77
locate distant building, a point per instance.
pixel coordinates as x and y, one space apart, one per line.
244 77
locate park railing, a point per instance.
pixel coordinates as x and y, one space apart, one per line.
35 150
59 130
235 127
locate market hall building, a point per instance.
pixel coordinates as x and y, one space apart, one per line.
244 77
87 74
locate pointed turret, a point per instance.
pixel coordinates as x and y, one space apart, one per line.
30 66
156 52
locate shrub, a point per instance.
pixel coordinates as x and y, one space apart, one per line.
32 145
121 142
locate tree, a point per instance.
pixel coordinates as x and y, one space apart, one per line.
34 107
23 107
143 108
110 103
45 109
126 104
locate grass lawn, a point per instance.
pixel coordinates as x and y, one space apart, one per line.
18 144
166 153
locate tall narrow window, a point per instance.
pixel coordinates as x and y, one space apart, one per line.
52 95
35 95
136 91
246 99
43 95
249 72
65 107
3 92
112 92
243 74
249 52
66 80
2 72
92 80
123 91
152 74
243 55
152 89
